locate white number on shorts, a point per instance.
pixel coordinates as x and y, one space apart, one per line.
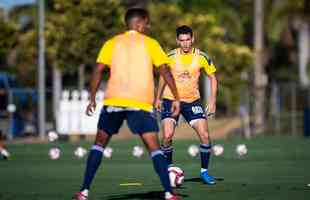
197 109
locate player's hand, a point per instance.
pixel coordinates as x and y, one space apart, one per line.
175 108
91 107
157 104
211 108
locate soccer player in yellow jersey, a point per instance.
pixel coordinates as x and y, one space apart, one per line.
129 95
186 64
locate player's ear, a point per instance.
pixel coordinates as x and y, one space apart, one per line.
177 40
193 39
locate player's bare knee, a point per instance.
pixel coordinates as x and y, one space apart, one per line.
102 138
168 137
204 137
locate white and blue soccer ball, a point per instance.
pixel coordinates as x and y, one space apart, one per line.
80 152
137 151
107 153
241 150
193 150
218 149
54 153
176 176
52 136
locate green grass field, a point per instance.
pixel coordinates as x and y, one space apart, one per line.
275 168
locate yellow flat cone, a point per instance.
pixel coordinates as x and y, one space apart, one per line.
130 184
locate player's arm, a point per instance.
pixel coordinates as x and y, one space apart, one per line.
160 90
210 70
212 99
169 80
103 60
94 85
161 60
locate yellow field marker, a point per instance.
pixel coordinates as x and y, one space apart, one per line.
130 184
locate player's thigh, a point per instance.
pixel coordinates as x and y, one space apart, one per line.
166 111
201 128
102 138
150 140
167 121
193 112
168 127
140 122
145 125
109 121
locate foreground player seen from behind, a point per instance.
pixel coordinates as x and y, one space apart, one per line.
129 95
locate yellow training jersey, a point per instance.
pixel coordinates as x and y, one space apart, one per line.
185 69
131 57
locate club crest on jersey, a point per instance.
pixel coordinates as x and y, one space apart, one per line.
183 76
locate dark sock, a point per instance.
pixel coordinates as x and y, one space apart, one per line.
205 152
161 168
93 162
168 151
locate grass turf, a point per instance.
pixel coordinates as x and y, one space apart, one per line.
274 168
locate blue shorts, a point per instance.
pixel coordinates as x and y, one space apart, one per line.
190 111
138 121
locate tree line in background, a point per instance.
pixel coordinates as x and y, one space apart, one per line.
75 31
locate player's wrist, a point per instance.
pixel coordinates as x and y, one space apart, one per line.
92 101
177 98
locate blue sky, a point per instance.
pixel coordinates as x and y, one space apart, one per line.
8 4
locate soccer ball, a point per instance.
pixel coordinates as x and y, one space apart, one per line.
241 149
193 150
218 150
137 151
80 152
108 152
52 136
176 176
54 153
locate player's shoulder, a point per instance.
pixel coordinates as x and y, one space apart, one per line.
150 40
204 56
110 41
172 53
201 53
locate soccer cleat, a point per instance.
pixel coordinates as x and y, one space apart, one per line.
5 154
174 197
206 178
79 196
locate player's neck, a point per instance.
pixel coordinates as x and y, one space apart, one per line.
186 52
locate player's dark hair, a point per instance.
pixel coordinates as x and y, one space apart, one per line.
135 12
184 30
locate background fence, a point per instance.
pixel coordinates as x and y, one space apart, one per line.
287 111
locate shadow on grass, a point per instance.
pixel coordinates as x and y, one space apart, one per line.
153 195
198 179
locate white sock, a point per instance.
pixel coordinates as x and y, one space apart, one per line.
168 195
203 170
85 192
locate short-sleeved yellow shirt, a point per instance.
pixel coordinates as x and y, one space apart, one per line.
158 58
186 71
204 61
